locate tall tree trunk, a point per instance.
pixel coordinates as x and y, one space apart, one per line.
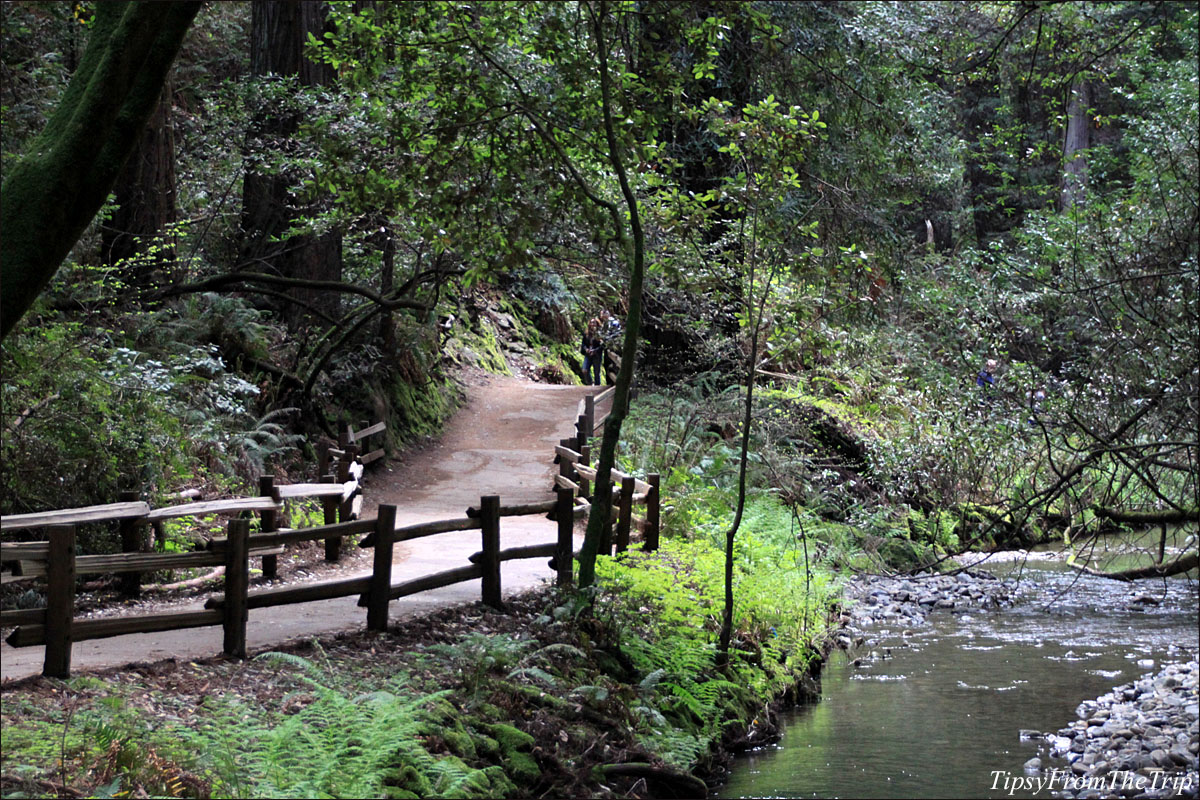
279 30
52 193
632 242
387 282
145 196
1074 164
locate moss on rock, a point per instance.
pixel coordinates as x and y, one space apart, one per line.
421 409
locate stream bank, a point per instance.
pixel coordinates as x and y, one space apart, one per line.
1139 740
539 699
948 685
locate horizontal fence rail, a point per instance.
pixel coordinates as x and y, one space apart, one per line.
341 501
55 560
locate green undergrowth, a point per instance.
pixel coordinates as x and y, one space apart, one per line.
472 702
849 477
663 611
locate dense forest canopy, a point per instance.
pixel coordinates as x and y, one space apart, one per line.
307 213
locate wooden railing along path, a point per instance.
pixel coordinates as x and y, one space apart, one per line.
56 628
25 560
573 457
339 491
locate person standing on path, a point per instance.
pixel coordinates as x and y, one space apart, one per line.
592 348
609 329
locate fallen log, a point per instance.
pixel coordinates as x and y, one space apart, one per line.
1147 518
666 782
1176 567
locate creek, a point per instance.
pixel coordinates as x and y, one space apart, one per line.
949 706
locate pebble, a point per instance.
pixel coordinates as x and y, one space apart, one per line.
1139 740
876 599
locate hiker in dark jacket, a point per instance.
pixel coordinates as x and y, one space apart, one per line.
592 348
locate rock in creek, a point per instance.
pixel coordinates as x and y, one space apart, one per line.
1139 740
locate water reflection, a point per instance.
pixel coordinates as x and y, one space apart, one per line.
933 712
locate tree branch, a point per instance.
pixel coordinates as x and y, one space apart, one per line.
1177 567
231 279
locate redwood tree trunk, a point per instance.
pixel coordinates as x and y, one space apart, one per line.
1075 165
279 30
145 196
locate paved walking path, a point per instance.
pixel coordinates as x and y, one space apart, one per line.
501 442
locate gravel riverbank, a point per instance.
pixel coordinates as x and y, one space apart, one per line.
1138 740
1142 739
876 599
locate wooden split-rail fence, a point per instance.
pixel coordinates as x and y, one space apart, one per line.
575 473
55 559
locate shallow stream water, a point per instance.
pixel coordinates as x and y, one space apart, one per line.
937 710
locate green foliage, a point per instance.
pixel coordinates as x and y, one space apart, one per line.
329 742
87 416
665 607
85 419
477 655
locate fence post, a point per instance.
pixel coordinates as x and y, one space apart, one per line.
323 459
329 505
650 538
589 411
379 592
237 585
60 601
564 466
489 516
268 523
564 513
346 507
585 458
131 542
582 435
625 514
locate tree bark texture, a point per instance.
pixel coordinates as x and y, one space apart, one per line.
279 30
54 191
1074 164
145 196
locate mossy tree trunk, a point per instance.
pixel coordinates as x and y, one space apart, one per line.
55 190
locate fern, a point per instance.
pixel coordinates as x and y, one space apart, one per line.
338 745
536 673
593 694
560 648
311 671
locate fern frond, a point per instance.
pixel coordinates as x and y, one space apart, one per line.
533 672
651 681
560 648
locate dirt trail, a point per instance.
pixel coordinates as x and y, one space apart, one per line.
501 442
